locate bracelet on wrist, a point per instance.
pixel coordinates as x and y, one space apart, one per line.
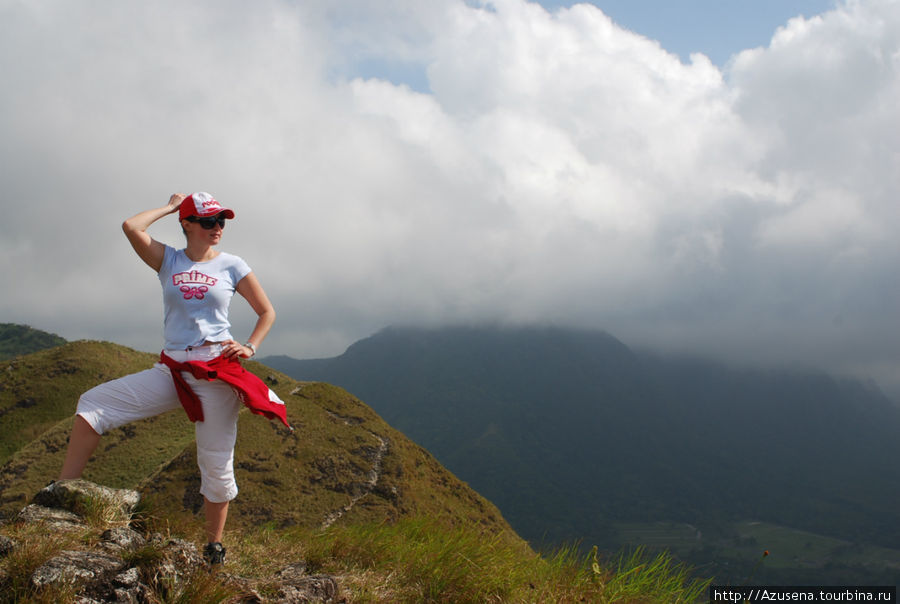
252 347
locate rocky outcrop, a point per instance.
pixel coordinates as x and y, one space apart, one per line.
124 565
81 497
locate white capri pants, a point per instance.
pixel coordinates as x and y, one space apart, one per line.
152 392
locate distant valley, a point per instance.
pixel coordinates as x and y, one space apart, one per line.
574 436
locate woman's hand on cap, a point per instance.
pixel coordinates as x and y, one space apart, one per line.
175 202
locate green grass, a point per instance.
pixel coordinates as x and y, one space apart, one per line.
36 546
418 560
641 576
413 560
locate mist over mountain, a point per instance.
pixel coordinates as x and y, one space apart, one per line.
571 433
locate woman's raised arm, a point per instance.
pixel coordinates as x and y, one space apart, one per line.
149 249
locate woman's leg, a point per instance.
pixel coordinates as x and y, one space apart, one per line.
112 404
82 443
216 515
216 436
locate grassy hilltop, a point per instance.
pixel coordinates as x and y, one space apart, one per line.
286 479
345 492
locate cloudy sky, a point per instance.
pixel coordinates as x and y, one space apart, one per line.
717 181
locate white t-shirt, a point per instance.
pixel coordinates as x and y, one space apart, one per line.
196 296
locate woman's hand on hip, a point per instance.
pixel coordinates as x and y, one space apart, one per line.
232 348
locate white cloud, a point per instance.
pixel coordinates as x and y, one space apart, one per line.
554 168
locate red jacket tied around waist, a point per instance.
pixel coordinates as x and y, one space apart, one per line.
252 391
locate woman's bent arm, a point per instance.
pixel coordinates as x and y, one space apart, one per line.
250 289
150 250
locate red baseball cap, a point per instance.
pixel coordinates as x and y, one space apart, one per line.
202 204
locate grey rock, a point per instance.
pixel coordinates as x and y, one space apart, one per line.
123 537
59 519
75 496
102 574
127 578
75 566
126 587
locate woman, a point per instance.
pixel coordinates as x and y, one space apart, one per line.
199 367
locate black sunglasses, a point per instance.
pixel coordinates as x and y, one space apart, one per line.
208 222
